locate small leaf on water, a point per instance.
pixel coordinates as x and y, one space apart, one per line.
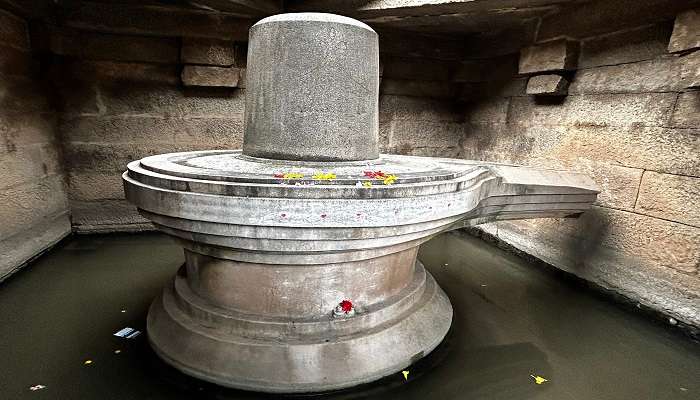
538 379
405 374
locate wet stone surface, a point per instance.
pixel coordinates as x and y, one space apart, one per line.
511 321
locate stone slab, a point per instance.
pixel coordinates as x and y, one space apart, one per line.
603 110
132 19
33 240
671 197
107 216
547 85
208 52
557 55
431 89
28 203
662 74
638 44
199 75
686 114
686 32
415 69
97 46
29 164
485 70
690 70
601 246
13 31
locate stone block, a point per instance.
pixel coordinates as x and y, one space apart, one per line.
134 19
415 69
547 85
402 44
686 114
32 240
208 52
546 147
13 31
557 55
643 109
470 92
207 132
127 72
690 70
122 98
27 204
432 89
671 197
658 75
603 244
97 46
657 148
17 62
493 69
22 94
686 32
442 151
113 157
418 109
92 186
19 129
198 75
107 216
490 110
242 81
640 44
408 135
29 164
594 18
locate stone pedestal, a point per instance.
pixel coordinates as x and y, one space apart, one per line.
301 272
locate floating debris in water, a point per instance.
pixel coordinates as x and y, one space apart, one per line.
127 332
87 362
123 311
117 351
538 379
405 374
37 387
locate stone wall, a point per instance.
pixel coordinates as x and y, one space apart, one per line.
34 210
119 104
630 120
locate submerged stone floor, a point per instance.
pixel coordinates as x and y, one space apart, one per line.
512 321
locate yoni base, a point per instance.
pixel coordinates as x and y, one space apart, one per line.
283 355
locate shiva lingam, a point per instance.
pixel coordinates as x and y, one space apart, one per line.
301 272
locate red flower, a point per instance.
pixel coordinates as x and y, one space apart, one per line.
375 174
346 306
278 175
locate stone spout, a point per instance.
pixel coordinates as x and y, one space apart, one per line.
301 272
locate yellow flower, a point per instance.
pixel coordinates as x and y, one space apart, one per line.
329 176
390 179
367 184
292 175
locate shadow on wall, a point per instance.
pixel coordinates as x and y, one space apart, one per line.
586 244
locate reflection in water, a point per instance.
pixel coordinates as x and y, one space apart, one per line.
511 321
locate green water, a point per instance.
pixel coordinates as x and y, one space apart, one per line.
511 321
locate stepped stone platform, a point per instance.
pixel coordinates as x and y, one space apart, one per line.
301 272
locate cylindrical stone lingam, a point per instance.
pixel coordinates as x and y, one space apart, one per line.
312 92
301 272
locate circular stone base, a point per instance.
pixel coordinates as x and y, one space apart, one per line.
198 344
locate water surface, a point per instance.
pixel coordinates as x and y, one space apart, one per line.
512 320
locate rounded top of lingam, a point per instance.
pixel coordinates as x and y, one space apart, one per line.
314 17
312 89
